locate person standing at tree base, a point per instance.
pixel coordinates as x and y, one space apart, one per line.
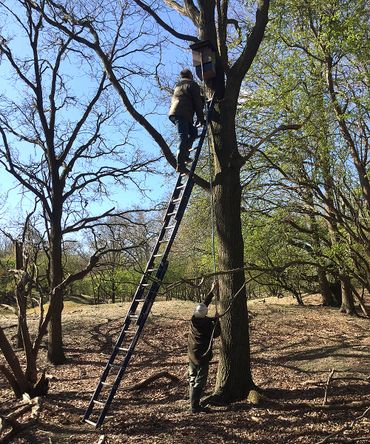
186 100
203 330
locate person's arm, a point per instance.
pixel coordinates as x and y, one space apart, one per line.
209 297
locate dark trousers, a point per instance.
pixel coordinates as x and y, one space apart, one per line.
187 133
198 375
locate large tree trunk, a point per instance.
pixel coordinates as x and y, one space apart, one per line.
55 340
234 378
348 305
19 292
328 299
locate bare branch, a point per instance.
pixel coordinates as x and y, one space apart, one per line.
254 148
242 65
163 24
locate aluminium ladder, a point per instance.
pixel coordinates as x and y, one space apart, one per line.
146 292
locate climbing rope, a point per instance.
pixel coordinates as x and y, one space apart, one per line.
217 319
210 168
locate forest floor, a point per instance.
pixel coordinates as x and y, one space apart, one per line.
294 349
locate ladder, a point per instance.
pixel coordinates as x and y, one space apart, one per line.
145 293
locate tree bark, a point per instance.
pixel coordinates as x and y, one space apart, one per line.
20 298
234 377
55 337
22 385
348 305
327 297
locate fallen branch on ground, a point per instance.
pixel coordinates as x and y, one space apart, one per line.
145 382
343 406
11 420
327 386
344 428
350 440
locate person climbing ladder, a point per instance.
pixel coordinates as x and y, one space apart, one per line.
186 100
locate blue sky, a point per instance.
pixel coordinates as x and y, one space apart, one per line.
157 186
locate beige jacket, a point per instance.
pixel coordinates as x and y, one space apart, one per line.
186 100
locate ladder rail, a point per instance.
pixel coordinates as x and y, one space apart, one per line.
181 193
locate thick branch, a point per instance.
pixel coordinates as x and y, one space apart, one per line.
242 65
145 382
163 24
13 362
222 7
108 67
188 10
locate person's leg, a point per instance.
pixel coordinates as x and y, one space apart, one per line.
202 376
193 134
182 126
193 371
198 386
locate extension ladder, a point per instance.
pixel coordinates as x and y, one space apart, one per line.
146 292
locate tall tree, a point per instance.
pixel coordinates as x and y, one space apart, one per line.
236 38
55 139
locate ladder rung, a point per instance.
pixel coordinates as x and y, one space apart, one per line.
125 349
164 241
158 255
181 186
133 316
102 404
129 329
139 300
169 227
145 284
115 365
106 383
90 422
177 200
171 214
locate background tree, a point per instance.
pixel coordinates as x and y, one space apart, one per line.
56 140
26 279
312 173
130 241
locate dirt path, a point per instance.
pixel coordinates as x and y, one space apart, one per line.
293 350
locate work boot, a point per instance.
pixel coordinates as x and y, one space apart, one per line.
180 161
195 406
